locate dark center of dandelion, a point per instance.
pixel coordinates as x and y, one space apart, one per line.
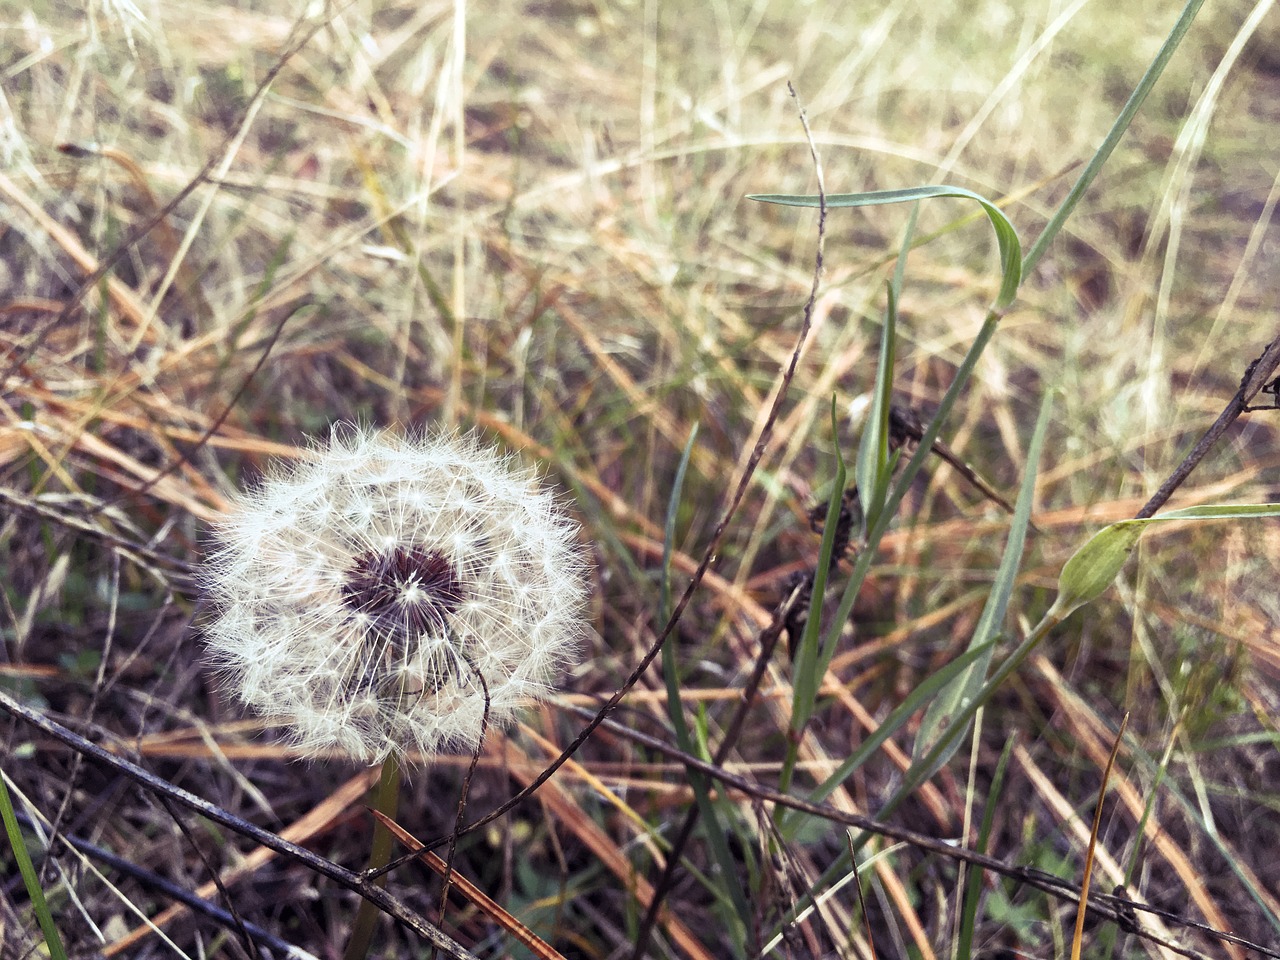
412 588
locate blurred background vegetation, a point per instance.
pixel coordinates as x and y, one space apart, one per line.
530 219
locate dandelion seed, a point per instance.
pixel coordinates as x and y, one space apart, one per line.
367 597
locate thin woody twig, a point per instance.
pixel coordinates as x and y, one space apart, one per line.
1258 377
906 429
770 638
1111 907
337 873
1107 906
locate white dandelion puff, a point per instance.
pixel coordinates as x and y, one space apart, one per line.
371 597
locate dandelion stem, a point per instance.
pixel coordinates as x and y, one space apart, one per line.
386 802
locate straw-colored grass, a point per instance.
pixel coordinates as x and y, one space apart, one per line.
531 220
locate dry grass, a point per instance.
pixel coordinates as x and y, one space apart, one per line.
541 232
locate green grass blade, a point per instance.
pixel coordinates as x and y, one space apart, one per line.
669 526
896 720
1117 131
973 883
809 666
875 473
964 716
278 258
942 710
29 879
1191 810
948 736
1011 268
1219 511
873 470
913 467
712 825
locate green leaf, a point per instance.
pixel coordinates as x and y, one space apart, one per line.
916 699
942 712
1006 236
973 883
716 831
29 877
873 469
1114 135
809 666
1219 511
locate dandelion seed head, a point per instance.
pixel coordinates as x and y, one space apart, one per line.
367 597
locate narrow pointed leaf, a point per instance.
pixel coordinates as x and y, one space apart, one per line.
18 844
873 453
941 713
715 830
1006 236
